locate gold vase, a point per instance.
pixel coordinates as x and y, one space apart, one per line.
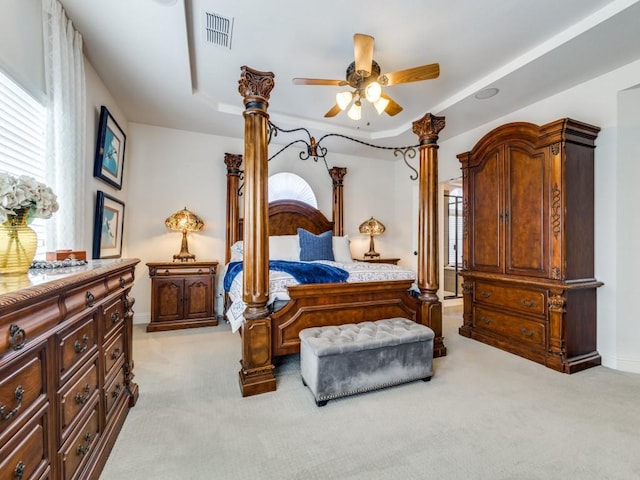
18 243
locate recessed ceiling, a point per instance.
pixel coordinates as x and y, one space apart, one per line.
157 63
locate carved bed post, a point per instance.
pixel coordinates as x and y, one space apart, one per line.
337 175
256 373
427 129
233 163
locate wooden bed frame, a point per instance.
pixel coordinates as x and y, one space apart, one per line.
267 335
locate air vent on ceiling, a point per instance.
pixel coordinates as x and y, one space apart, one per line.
218 29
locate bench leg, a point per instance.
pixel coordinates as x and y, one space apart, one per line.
321 403
426 379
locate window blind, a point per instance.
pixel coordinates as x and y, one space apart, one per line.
22 139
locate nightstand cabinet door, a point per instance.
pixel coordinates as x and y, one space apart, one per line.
198 298
182 295
168 299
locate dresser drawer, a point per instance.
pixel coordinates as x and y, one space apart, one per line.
23 383
74 453
19 328
516 298
515 328
113 316
84 297
27 454
113 351
76 344
114 389
75 396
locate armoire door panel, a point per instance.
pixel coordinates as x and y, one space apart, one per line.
486 222
526 212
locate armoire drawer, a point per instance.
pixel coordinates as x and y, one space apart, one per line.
516 298
510 326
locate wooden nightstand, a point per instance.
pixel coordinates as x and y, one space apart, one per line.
393 261
182 295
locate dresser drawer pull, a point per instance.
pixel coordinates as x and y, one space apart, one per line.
18 472
486 320
115 316
90 298
484 294
123 282
82 450
527 333
82 399
18 394
17 337
116 354
81 347
528 303
116 391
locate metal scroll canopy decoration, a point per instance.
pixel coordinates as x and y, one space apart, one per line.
313 148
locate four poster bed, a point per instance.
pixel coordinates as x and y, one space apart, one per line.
267 332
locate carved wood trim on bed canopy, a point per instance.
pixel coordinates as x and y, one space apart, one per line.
265 335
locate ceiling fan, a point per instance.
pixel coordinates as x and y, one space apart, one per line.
366 81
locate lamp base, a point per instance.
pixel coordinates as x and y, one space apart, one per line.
184 255
372 252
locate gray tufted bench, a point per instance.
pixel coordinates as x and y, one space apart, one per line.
359 357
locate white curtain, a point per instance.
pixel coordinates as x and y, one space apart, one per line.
66 130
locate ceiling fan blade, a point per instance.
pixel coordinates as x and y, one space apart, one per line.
415 74
318 81
363 53
393 108
333 112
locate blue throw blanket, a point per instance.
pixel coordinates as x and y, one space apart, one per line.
303 272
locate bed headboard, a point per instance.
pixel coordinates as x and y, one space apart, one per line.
285 216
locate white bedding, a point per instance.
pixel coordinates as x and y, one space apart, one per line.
279 281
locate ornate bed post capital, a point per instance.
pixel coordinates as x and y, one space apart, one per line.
337 174
255 87
428 127
233 162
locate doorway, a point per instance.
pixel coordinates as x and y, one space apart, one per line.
452 226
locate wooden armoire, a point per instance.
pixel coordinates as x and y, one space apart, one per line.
528 251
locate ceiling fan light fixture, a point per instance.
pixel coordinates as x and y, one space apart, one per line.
373 92
343 99
355 112
381 105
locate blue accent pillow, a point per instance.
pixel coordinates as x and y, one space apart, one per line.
315 247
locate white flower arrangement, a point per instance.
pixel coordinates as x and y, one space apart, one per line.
23 192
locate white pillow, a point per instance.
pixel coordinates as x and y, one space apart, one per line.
341 250
284 247
236 252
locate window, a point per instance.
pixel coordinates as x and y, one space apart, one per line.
22 139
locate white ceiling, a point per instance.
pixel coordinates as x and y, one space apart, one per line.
152 56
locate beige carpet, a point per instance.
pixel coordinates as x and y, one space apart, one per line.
486 414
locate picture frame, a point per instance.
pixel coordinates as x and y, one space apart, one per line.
110 148
108 227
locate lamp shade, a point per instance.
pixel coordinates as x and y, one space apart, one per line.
372 227
184 221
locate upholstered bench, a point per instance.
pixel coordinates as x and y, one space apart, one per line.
359 357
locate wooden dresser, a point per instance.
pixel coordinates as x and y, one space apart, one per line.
66 369
528 243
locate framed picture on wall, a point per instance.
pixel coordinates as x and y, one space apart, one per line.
109 161
108 227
